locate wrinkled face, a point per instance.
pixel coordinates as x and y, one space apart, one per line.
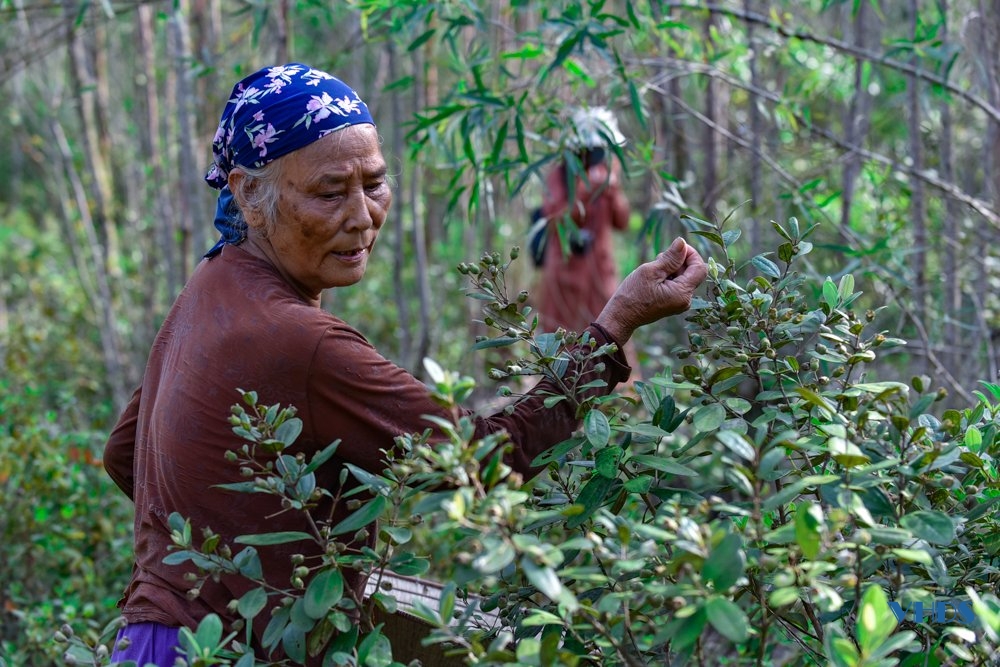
333 198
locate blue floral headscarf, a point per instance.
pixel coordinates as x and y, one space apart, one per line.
272 112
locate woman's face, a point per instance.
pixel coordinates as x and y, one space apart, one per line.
333 198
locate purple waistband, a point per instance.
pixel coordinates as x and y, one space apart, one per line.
148 643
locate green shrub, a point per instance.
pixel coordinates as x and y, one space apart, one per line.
765 504
65 534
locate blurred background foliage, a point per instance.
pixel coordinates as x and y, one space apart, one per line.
879 120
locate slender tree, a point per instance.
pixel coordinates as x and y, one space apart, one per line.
864 28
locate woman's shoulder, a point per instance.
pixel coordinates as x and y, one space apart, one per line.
254 292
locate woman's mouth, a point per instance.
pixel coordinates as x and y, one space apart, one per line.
351 254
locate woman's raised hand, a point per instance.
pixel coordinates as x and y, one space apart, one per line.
661 287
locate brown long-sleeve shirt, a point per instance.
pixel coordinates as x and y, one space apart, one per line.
238 324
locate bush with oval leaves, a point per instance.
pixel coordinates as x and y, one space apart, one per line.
764 503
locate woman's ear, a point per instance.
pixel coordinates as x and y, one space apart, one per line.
242 186
236 182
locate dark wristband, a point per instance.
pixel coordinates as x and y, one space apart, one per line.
604 332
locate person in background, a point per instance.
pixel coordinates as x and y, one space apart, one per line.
298 153
583 206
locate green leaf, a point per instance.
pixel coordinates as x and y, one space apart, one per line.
557 451
794 489
248 562
900 640
239 487
686 630
875 620
503 341
361 518
640 484
526 52
408 564
494 559
882 390
596 428
808 528
446 601
375 650
663 464
275 627
766 266
420 40
846 453
737 444
385 602
889 535
289 431
537 617
846 288
913 556
322 457
325 590
930 525
178 557
209 631
725 565
973 438
176 522
983 508
782 597
606 461
841 652
252 602
714 237
373 482
591 497
709 418
830 294
828 408
547 582
728 619
397 535
267 539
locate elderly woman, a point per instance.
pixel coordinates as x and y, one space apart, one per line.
301 155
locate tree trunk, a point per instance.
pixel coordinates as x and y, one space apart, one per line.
421 246
857 120
93 203
399 228
989 48
191 220
84 82
951 300
918 217
89 257
756 147
710 138
162 257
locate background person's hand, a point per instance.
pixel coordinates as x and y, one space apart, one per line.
659 288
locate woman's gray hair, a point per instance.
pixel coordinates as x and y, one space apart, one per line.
259 192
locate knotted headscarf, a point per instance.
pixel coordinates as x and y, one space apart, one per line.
272 112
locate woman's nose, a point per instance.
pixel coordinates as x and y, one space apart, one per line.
358 214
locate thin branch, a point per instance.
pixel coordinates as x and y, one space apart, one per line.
927 176
859 52
922 332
